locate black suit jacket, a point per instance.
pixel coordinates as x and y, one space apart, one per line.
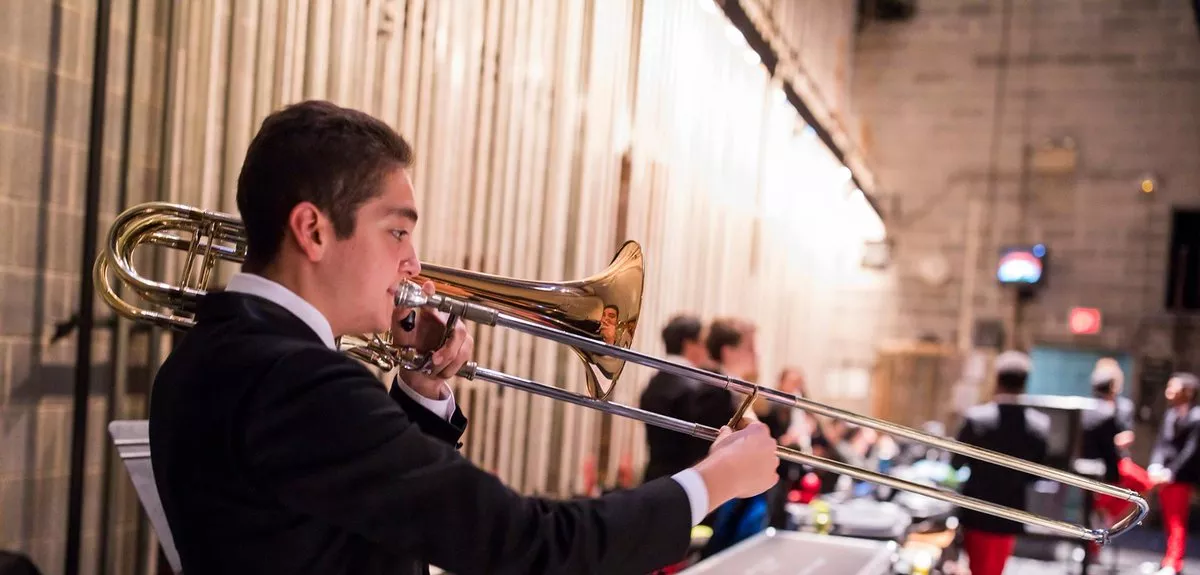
1100 429
1010 429
274 454
671 451
1125 414
1176 446
714 405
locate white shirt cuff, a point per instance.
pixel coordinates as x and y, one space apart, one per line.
697 493
443 408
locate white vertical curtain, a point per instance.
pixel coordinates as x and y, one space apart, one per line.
548 132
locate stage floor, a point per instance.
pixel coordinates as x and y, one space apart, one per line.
1126 556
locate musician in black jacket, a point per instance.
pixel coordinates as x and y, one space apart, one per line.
273 452
676 395
1175 465
1107 435
1004 426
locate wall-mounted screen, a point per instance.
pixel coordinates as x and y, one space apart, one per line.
1022 265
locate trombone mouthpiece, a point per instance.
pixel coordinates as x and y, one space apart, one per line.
409 294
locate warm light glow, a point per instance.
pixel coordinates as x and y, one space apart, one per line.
869 224
734 35
1147 186
622 135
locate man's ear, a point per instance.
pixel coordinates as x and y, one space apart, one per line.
310 230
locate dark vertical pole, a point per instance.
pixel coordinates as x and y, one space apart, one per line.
118 350
91 214
154 336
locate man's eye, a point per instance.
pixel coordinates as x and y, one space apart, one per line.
399 234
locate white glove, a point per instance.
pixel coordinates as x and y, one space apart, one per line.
1159 474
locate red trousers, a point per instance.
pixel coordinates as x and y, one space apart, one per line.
671 569
1132 477
1174 498
987 552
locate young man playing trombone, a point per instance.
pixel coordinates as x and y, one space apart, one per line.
276 453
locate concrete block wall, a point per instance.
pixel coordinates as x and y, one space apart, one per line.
46 59
960 101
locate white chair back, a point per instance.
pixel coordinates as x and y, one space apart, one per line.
132 438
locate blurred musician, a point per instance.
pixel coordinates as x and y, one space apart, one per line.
676 396
791 428
731 351
1175 465
1004 426
730 344
1107 435
276 453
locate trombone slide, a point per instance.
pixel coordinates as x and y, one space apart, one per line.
411 296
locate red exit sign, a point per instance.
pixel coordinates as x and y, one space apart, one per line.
1084 320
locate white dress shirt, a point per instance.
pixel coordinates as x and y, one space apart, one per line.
274 292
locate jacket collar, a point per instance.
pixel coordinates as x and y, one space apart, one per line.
259 286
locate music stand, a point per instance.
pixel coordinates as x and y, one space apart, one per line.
132 439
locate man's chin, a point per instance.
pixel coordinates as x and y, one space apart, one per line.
369 328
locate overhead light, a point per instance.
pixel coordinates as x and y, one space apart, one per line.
1149 184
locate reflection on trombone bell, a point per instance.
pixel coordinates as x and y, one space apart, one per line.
583 314
613 330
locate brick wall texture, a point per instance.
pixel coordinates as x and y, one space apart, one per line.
46 51
962 104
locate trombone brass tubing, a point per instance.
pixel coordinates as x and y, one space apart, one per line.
411 296
213 235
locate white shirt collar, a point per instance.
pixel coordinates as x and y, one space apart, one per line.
260 286
678 359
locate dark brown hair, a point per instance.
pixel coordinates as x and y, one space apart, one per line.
316 152
724 332
681 329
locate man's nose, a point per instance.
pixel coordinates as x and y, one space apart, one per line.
410 266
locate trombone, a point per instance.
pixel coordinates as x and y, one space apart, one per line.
575 313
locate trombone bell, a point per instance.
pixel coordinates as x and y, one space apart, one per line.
604 307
